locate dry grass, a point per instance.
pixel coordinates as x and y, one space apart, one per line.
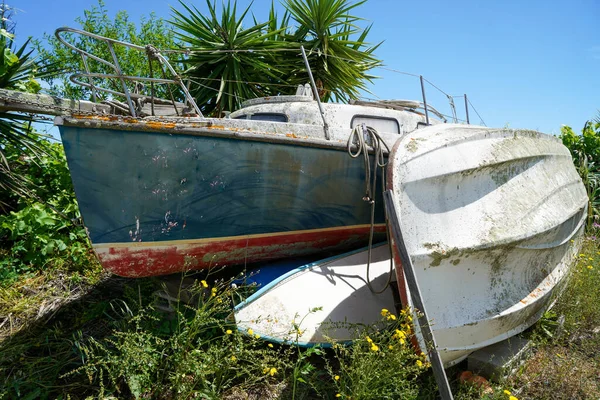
37 299
558 372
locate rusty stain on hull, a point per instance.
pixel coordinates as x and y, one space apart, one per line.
157 258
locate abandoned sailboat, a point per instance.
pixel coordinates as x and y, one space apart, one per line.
163 194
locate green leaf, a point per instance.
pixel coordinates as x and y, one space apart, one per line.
9 57
45 219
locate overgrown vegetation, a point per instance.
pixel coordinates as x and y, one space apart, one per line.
585 149
69 331
43 230
17 69
125 348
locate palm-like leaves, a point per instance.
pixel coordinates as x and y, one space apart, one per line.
227 71
16 72
339 63
227 63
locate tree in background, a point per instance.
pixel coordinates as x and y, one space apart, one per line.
231 63
152 30
339 62
228 63
585 149
229 59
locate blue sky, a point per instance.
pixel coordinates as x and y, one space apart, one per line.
529 64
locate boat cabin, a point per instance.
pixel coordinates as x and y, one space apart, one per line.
390 116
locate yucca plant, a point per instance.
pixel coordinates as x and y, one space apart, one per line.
17 69
339 62
228 63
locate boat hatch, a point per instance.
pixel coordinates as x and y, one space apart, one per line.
381 124
272 117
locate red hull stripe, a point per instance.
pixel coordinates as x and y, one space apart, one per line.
139 259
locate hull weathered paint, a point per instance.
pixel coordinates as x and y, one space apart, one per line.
160 202
166 257
492 220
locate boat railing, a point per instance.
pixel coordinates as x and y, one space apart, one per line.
86 79
137 103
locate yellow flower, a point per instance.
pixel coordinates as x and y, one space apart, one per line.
591 258
506 392
233 358
214 291
272 371
374 347
265 370
270 345
384 312
419 363
257 336
402 341
204 284
369 340
250 332
590 267
512 398
337 377
390 347
338 395
228 331
392 317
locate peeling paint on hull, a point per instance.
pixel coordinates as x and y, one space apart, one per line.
221 200
161 258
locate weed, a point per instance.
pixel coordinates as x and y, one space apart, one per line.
199 353
380 364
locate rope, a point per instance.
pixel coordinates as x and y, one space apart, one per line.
361 136
481 119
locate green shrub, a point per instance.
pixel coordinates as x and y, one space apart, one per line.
44 229
585 149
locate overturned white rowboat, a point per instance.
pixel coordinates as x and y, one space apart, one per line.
492 219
